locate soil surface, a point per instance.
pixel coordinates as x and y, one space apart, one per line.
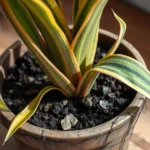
108 98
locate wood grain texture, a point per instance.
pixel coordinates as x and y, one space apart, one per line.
138 33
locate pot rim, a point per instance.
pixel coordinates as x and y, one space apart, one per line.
117 122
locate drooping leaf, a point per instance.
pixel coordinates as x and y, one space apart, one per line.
3 105
28 112
82 44
59 16
122 24
121 34
56 77
121 67
89 62
55 39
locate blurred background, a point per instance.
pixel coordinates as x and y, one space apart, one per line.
136 14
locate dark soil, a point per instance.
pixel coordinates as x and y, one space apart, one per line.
108 98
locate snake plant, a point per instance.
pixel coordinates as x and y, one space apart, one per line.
65 56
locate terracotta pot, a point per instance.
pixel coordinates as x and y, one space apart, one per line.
112 135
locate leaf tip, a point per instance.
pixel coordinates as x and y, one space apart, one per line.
120 20
113 11
5 140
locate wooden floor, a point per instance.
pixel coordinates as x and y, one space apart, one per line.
138 33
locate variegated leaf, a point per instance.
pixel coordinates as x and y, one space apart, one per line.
59 17
55 39
25 21
121 67
84 8
121 34
3 105
27 112
76 4
82 44
56 77
114 47
59 4
89 58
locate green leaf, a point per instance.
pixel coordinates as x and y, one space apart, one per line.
59 16
121 34
55 76
121 67
55 39
83 43
28 112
